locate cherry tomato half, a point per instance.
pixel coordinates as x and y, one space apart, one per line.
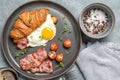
67 43
54 46
52 54
59 57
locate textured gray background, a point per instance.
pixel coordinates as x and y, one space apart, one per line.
75 7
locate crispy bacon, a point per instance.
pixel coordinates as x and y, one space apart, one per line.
41 54
22 43
36 62
46 66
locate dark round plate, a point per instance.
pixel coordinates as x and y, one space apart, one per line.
57 10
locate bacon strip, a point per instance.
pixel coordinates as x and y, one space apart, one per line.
22 43
36 62
46 66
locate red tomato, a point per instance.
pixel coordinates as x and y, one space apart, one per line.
67 43
54 46
59 57
52 54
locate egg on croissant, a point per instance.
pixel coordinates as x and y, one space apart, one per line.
43 33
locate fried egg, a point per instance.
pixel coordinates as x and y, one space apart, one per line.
43 33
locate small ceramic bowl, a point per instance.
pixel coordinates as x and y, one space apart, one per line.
8 74
106 10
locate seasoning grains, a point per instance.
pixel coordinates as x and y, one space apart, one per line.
95 21
7 75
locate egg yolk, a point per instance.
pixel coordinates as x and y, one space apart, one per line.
47 33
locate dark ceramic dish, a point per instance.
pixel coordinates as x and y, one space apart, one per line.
2 70
111 19
57 10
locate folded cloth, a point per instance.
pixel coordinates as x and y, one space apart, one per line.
100 61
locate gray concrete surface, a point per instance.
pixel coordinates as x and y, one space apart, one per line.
75 7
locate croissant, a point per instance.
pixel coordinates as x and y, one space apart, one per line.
27 22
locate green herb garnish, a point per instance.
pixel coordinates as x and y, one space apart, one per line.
40 37
62 64
24 51
60 39
17 55
64 30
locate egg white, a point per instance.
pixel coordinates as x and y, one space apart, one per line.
34 38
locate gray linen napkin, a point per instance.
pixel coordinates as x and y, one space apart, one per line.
100 61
